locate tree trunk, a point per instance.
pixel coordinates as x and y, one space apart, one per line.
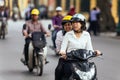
107 22
36 3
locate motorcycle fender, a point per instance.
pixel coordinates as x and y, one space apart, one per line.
45 51
30 61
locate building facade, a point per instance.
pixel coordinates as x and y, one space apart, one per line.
81 6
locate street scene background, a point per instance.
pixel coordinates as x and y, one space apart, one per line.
11 51
108 42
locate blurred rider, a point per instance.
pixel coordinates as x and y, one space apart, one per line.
56 20
31 26
3 19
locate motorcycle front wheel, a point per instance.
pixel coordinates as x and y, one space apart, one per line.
39 65
30 70
95 79
4 34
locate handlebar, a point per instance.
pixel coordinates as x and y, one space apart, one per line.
81 54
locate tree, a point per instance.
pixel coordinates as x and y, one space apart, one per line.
107 22
118 26
36 3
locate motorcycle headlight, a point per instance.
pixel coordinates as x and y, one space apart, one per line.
86 75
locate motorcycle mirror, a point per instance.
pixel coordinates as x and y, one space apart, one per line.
49 26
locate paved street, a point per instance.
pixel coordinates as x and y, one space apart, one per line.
11 51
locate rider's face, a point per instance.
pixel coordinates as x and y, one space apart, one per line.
76 25
35 17
67 26
58 12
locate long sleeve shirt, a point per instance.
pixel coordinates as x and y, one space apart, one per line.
57 20
31 27
59 39
93 15
71 42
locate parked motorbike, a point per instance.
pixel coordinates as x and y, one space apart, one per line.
37 51
82 68
3 28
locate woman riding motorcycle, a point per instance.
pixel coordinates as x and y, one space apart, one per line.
78 38
67 26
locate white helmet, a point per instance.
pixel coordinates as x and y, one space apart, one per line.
79 17
59 8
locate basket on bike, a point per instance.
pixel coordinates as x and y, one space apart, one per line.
38 40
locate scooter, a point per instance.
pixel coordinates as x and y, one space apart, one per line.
37 51
82 68
15 17
53 40
3 27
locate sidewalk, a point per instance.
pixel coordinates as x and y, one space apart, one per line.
110 34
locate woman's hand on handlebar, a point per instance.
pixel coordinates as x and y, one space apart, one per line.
63 54
98 53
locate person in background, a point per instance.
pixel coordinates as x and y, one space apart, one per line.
43 11
94 21
27 13
7 11
15 14
72 11
3 12
56 21
3 20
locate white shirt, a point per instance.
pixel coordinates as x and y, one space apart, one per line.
71 42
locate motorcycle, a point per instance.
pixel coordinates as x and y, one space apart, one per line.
3 28
53 39
15 16
82 68
37 51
